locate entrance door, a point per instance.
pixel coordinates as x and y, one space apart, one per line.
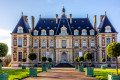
64 57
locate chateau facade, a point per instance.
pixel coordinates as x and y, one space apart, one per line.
63 39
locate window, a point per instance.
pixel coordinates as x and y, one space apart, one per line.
108 58
92 56
84 43
36 60
51 56
20 31
76 55
76 33
63 43
92 33
108 30
43 54
108 41
19 42
51 33
43 33
35 34
63 32
35 44
83 33
51 44
19 56
43 44
92 43
76 43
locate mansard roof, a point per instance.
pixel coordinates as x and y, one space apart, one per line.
50 23
22 22
106 22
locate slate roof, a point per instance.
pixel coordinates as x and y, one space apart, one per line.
106 22
23 24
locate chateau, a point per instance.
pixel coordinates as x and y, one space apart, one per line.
63 39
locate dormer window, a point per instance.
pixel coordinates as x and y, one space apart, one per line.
91 32
35 33
63 32
107 29
76 32
43 33
51 32
84 32
20 29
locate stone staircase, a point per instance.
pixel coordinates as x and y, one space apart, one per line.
65 65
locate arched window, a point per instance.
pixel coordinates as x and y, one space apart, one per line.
108 30
76 33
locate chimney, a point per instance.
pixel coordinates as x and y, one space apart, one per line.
32 22
70 18
56 18
101 17
95 22
26 18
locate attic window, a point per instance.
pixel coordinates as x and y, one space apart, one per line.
44 21
107 29
20 31
75 21
51 21
87 27
47 27
78 27
55 27
82 21
72 27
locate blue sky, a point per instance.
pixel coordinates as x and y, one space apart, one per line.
10 12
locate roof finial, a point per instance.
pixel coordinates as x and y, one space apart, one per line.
105 13
63 10
87 15
22 13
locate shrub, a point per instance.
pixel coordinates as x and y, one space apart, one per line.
76 60
88 56
81 58
43 59
32 56
49 59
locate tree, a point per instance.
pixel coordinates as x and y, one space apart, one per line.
88 56
3 49
113 50
103 60
32 56
81 58
43 59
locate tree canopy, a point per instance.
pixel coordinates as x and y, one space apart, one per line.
113 49
88 56
81 58
49 59
103 60
3 49
32 56
76 59
43 59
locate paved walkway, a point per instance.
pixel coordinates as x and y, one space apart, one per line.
61 74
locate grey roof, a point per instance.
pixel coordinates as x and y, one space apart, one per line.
23 24
106 22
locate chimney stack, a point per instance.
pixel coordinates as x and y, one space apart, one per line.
101 17
70 18
56 18
26 18
32 22
95 22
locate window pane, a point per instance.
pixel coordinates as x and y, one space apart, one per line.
19 42
92 33
76 43
20 31
43 44
19 56
35 44
76 55
108 41
51 33
51 44
76 33
35 33
63 32
83 32
92 43
84 43
108 30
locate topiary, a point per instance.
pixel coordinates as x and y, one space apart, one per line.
49 59
43 59
81 58
88 57
24 60
103 60
76 60
32 56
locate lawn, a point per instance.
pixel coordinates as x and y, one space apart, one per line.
103 74
18 74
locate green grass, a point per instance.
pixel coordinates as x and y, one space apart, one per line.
18 74
103 74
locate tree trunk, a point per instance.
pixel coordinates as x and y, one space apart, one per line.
116 66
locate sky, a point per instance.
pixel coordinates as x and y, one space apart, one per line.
11 11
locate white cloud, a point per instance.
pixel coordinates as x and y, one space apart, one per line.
5 37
